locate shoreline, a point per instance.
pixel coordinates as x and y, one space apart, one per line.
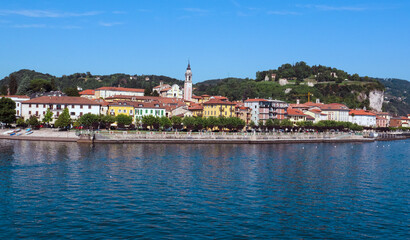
48 135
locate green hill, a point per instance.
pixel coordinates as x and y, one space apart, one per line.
83 80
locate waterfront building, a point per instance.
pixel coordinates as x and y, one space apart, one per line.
243 113
216 108
104 92
362 118
381 122
196 109
121 107
263 109
77 106
316 113
336 112
89 93
399 121
18 99
150 108
188 84
296 115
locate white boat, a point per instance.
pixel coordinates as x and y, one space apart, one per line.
28 133
8 132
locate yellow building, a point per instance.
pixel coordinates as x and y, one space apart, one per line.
121 107
196 109
216 108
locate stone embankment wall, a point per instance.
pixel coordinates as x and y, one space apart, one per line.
176 137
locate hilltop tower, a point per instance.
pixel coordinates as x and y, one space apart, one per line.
188 84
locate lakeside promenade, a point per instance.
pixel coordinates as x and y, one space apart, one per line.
184 137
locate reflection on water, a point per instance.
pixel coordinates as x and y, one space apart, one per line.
69 190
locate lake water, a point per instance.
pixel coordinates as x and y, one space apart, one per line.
304 191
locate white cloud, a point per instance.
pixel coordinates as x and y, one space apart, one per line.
333 8
282 13
29 26
47 14
110 24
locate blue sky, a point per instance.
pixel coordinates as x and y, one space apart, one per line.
220 37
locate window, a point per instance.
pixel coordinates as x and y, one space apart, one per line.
29 105
18 112
81 106
36 105
72 106
44 113
81 113
58 114
44 106
29 112
18 104
152 111
89 106
58 106
130 111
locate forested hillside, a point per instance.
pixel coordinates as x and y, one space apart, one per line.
396 95
28 81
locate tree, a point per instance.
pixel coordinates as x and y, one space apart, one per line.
269 124
155 94
53 84
252 124
21 123
148 121
200 123
147 91
64 120
72 92
7 110
165 122
40 85
123 120
286 123
176 122
106 121
13 84
189 122
221 123
33 121
48 117
88 120
211 122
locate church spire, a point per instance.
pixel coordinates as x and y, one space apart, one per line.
189 66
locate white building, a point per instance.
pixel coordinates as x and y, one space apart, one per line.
362 118
172 92
77 106
149 108
188 84
18 99
336 112
104 92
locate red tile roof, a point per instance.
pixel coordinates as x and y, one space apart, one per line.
315 110
196 107
220 97
14 96
295 112
166 89
361 113
218 101
121 89
87 92
256 100
335 106
61 100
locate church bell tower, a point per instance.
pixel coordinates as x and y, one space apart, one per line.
188 84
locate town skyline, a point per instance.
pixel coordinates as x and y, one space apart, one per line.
221 39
